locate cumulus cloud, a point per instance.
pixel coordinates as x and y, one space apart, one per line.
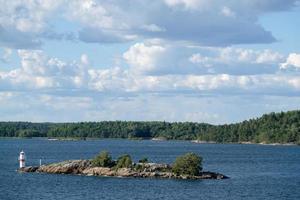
238 61
192 55
77 90
293 61
155 57
38 72
144 58
91 12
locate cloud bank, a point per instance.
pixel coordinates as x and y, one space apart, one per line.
148 73
25 24
184 60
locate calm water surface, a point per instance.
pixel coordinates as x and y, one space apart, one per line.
257 172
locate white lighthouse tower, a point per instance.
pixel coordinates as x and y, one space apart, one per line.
22 159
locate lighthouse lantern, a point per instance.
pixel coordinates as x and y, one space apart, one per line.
22 159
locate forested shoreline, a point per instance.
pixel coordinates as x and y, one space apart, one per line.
283 127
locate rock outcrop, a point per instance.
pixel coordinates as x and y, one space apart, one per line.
66 167
143 170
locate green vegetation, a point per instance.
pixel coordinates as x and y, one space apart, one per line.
124 161
281 127
189 164
27 133
143 160
103 160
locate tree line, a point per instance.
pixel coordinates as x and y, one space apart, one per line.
283 127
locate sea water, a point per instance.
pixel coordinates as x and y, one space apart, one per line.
255 171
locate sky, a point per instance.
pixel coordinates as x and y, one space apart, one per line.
213 61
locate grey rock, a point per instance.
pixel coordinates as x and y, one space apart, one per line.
142 170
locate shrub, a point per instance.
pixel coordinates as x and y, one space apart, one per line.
188 164
103 159
139 167
124 161
143 160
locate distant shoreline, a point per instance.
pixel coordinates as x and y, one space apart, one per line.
272 128
152 139
261 143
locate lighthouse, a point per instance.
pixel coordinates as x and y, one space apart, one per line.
22 159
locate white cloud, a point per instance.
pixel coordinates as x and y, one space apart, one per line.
91 13
84 59
110 80
118 21
39 73
157 57
153 28
227 12
33 62
198 58
268 57
159 72
144 58
237 61
295 82
24 24
27 16
6 55
293 61
55 90
188 4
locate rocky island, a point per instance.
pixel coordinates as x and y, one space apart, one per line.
188 166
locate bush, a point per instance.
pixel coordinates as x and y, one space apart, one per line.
124 161
139 167
103 159
143 160
188 164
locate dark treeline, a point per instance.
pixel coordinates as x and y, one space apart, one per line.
281 127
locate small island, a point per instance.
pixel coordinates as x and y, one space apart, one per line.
188 166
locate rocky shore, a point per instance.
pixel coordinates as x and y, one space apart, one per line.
142 170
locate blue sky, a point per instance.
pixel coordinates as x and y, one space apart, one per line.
212 61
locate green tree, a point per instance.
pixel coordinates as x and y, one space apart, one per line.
124 161
188 164
27 133
103 159
281 127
